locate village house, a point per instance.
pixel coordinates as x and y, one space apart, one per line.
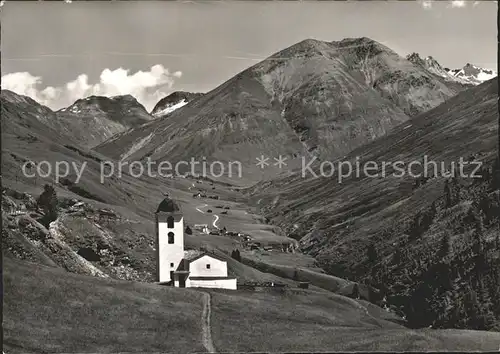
202 227
181 268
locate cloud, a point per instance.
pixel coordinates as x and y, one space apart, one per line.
148 87
426 4
458 3
477 3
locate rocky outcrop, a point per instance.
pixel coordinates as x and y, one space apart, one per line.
83 239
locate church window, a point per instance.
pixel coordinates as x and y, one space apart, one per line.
170 222
170 237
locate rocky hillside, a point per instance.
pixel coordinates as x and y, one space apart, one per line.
337 220
313 98
98 117
432 66
83 238
28 141
27 136
444 271
101 117
175 100
97 227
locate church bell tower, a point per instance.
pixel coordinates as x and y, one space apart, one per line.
169 240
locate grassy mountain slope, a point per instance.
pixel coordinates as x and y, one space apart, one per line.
313 98
336 222
113 219
53 311
90 121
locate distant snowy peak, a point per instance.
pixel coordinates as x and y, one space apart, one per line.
473 74
172 102
468 75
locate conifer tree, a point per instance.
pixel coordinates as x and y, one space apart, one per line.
372 254
447 194
433 210
355 291
47 201
486 317
445 247
455 191
495 180
478 235
397 256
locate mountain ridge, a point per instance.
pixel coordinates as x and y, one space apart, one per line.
336 222
468 75
293 99
99 117
313 98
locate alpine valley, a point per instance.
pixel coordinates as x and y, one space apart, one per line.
391 263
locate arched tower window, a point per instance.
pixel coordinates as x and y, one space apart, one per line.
170 237
170 222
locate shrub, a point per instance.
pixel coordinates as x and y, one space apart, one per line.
47 201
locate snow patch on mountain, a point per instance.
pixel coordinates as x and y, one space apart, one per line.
473 74
173 102
468 75
169 109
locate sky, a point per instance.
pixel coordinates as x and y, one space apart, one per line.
58 52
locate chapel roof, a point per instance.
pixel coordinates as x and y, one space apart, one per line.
168 205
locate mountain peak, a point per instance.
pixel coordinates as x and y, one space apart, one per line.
473 74
127 97
102 117
19 100
361 41
311 42
431 62
13 97
364 47
94 104
314 98
357 49
415 59
469 74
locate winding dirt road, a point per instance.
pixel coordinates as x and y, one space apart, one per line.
215 221
216 217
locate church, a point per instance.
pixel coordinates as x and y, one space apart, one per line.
180 268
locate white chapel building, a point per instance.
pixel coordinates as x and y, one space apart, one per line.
180 268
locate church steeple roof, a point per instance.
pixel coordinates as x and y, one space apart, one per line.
168 205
